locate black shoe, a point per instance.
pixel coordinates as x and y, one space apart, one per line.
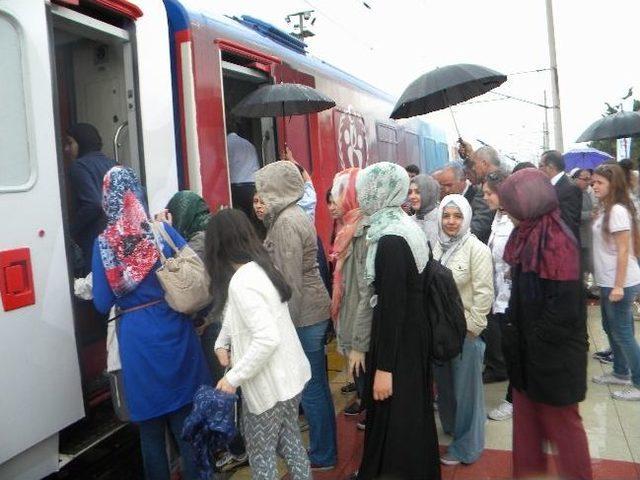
348 389
602 354
354 409
489 377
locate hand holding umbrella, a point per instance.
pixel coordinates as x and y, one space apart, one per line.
446 86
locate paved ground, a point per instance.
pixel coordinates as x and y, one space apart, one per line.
613 429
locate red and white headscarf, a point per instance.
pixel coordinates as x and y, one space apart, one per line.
127 246
345 196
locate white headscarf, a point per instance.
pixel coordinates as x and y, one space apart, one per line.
382 188
450 245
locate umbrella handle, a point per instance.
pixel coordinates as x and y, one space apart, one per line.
455 124
446 101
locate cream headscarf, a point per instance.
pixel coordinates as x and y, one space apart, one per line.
382 188
450 245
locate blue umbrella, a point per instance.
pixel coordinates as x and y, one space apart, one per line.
584 157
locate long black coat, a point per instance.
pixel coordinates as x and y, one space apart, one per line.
400 441
546 341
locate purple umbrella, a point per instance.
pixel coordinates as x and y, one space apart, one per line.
584 157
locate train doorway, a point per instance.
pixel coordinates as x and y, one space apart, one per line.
94 72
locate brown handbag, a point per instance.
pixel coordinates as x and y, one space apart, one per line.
183 277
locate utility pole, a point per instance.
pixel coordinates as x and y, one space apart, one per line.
545 130
302 33
557 116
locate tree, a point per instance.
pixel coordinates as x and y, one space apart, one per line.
609 146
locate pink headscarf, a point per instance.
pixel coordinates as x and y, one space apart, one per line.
344 195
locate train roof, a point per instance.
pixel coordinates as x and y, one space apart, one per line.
184 12
259 35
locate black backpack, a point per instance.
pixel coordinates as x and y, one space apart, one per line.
444 309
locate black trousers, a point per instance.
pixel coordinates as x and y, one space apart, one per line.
495 365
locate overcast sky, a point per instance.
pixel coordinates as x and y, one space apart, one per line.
395 41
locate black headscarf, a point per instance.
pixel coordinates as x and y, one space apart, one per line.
87 138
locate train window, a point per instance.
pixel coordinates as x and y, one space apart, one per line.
412 150
429 154
387 143
15 162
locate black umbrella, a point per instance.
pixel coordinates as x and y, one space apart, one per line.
446 86
618 125
282 100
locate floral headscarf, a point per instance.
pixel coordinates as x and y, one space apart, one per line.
345 196
382 188
190 213
450 245
127 245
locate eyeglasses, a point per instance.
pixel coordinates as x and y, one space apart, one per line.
495 176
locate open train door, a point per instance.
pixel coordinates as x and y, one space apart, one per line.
39 377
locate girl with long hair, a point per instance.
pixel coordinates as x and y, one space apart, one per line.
258 343
501 228
292 244
616 247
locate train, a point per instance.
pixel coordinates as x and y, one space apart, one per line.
157 79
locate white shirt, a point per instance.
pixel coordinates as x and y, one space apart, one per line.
467 185
500 232
557 178
243 159
605 251
266 355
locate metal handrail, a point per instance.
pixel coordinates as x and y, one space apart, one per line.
117 145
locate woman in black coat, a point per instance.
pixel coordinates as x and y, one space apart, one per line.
400 437
546 343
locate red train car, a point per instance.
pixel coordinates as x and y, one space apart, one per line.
218 60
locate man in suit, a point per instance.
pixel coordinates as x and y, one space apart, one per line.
452 179
569 195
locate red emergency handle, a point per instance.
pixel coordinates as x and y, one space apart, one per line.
16 279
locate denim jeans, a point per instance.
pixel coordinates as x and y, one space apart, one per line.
154 448
461 401
317 402
617 322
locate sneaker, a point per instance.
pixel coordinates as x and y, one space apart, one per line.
503 412
450 460
610 379
321 468
602 354
354 409
630 393
608 360
361 426
228 461
348 389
